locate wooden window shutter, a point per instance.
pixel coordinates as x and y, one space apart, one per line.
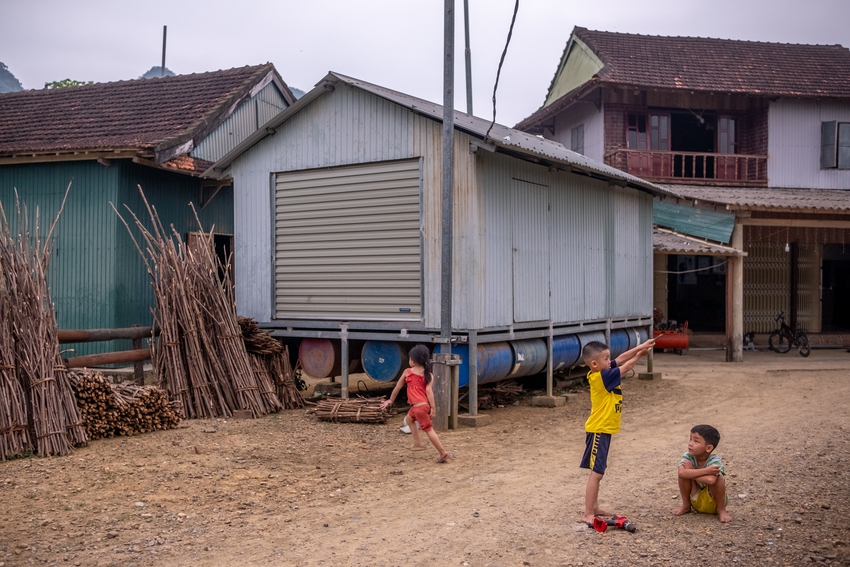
828 153
844 145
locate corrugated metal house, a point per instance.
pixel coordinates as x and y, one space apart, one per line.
106 139
755 135
338 215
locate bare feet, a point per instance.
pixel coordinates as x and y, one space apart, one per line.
683 509
723 516
587 519
601 512
418 448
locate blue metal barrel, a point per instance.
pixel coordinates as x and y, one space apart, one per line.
529 357
495 362
320 358
566 351
384 361
585 338
619 342
637 335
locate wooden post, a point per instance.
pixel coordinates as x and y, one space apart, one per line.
735 299
442 389
139 365
454 367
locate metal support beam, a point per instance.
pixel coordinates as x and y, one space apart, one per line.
473 373
550 371
344 363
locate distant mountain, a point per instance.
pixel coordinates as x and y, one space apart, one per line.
8 82
155 72
297 92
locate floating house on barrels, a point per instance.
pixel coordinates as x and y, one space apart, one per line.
337 230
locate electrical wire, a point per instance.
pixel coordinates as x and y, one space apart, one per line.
499 70
694 270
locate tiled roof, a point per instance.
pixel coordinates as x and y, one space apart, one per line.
770 198
675 243
707 65
142 114
721 65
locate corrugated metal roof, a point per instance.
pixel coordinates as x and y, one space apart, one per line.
712 225
770 198
509 139
674 243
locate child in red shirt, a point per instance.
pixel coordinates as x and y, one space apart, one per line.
420 396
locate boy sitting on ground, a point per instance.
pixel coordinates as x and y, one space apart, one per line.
702 479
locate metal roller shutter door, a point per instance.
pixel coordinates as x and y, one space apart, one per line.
348 242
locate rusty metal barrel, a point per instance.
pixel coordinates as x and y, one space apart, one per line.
320 358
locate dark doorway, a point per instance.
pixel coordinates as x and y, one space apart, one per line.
836 289
693 132
696 293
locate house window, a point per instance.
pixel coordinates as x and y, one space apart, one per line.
727 142
656 138
577 139
835 145
637 132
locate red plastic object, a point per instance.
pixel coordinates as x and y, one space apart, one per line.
671 339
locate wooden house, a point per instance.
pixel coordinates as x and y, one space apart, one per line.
754 138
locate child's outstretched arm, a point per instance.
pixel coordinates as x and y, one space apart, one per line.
387 403
630 363
635 352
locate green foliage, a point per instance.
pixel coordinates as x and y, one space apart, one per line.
65 83
8 82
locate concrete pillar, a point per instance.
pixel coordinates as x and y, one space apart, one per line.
344 364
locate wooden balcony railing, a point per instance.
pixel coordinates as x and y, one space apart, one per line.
691 167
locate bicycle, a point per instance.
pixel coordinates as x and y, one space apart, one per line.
782 339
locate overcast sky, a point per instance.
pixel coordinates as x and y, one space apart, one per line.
394 43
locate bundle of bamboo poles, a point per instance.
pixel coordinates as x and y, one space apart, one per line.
270 360
200 358
126 409
53 421
351 410
14 423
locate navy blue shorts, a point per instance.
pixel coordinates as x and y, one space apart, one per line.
596 447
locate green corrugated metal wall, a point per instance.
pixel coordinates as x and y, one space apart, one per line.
96 276
712 225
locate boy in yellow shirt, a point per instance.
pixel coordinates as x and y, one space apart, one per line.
606 401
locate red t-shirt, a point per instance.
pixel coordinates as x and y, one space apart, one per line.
415 388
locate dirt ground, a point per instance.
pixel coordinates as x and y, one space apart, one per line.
288 490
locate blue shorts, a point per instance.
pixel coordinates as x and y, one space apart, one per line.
596 447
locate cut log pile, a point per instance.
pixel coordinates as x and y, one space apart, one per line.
351 410
37 406
126 409
271 359
200 359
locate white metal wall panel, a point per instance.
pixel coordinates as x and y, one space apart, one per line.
592 118
530 211
347 242
631 282
793 144
244 121
767 271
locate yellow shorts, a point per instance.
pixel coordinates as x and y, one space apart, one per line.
703 502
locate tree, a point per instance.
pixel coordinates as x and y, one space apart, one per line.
65 83
8 82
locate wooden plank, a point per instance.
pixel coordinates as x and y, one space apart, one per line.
109 358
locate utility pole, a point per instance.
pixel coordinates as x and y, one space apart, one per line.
468 57
162 69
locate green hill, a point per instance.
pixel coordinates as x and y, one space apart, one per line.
8 82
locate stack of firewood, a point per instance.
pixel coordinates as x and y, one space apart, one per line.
41 408
200 358
112 410
270 360
351 410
